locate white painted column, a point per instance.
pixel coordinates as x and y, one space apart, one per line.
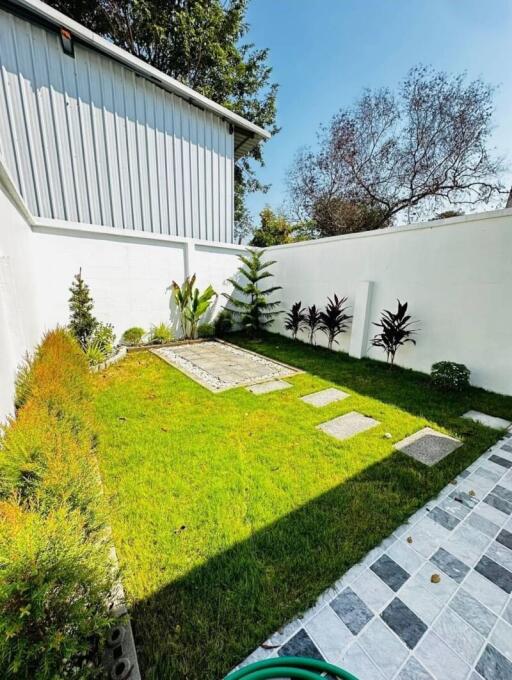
361 321
189 252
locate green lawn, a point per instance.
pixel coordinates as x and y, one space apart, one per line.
231 512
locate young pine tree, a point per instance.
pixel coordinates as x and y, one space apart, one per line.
249 302
81 322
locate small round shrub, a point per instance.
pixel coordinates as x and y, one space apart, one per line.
223 323
133 336
449 375
206 330
161 333
104 338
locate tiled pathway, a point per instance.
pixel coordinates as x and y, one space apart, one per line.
433 601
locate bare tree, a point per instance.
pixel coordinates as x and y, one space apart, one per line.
403 153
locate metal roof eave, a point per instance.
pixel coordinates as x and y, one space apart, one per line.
252 133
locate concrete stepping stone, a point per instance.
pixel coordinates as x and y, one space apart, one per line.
428 446
348 425
324 397
271 386
487 420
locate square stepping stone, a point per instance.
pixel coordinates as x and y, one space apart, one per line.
487 420
324 397
271 386
348 425
428 446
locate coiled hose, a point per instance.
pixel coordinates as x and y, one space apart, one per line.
290 667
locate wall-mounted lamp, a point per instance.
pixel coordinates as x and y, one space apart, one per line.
66 40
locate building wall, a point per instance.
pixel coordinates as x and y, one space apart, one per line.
87 140
456 275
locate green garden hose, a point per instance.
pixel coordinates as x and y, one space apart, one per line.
290 667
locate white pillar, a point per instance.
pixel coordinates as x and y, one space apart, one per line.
361 321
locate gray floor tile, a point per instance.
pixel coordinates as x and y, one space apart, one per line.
414 670
490 513
499 460
348 425
505 538
501 638
420 601
472 611
487 473
459 635
467 544
373 591
428 446
495 573
502 492
383 647
351 610
443 518
455 508
404 622
478 521
492 665
357 662
498 503
300 645
500 554
324 397
485 591
438 658
330 634
464 499
507 614
390 572
271 386
451 566
405 556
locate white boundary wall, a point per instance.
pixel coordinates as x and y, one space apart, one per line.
456 275
128 272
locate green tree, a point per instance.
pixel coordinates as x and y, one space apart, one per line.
82 323
201 44
274 230
249 302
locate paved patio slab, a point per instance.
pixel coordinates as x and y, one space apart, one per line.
487 420
324 397
266 387
388 619
219 366
348 425
428 446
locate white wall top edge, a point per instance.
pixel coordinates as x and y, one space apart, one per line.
89 37
389 231
63 227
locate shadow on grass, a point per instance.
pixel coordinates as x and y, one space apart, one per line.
403 388
208 621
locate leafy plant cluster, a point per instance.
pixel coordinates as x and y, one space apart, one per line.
192 304
397 329
56 573
97 339
333 320
448 375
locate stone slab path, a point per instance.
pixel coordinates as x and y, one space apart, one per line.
348 425
271 386
428 446
433 601
487 420
324 397
219 366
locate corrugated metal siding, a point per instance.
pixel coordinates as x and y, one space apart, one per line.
88 140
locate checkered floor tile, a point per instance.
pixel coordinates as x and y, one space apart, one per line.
433 601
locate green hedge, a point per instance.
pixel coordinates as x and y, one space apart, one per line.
56 572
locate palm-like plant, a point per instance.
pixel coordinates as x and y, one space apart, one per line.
182 296
249 302
295 319
396 331
198 305
334 320
313 321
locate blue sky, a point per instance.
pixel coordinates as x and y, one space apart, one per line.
324 52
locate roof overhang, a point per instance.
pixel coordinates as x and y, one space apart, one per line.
246 134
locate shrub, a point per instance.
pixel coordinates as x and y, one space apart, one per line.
22 383
295 319
396 331
53 589
223 323
313 322
95 354
55 572
333 319
82 322
161 333
206 330
104 338
449 375
191 304
133 336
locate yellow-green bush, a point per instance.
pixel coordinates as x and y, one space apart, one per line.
54 555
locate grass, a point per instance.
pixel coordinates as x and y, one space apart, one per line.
231 513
